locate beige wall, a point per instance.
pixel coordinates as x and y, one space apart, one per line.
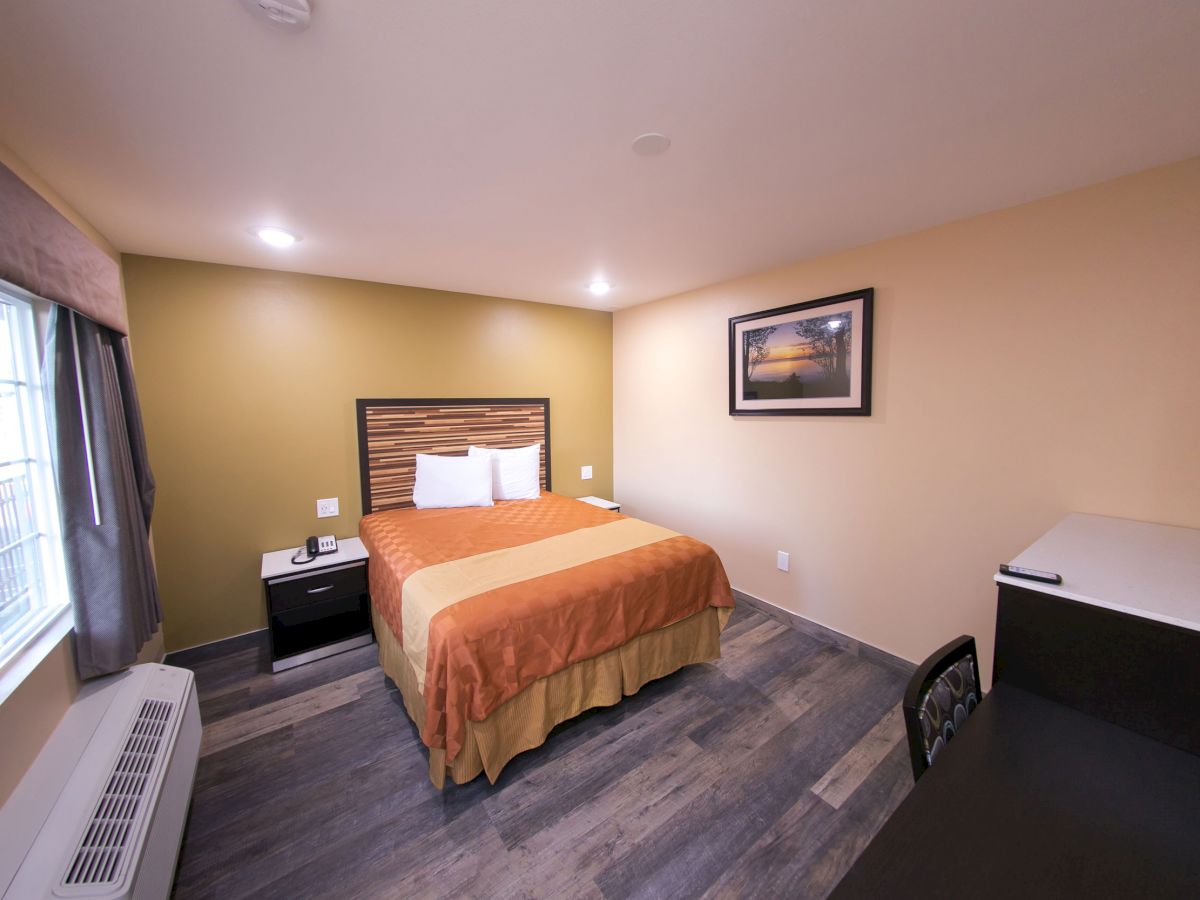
33 710
1028 363
248 379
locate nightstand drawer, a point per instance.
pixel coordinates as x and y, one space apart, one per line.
315 587
297 631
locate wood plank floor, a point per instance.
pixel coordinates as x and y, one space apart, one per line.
761 775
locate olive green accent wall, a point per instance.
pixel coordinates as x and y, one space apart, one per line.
248 378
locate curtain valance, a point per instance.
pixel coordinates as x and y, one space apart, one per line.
42 252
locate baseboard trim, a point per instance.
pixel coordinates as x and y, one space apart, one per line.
257 639
821 632
190 656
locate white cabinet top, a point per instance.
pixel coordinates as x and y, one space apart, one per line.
1133 567
279 562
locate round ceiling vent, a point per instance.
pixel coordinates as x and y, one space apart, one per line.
289 15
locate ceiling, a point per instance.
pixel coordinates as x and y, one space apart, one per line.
484 145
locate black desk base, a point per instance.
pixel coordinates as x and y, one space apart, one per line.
1035 799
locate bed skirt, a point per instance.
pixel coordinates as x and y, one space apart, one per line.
523 722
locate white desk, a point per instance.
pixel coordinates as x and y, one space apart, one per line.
1119 639
1138 568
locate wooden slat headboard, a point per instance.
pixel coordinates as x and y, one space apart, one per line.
392 432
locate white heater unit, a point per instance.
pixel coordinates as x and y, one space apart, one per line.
100 814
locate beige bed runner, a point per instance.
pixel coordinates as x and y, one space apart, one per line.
435 588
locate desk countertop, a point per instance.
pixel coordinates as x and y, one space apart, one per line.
1138 568
1034 799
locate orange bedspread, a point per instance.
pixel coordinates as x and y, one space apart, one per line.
485 649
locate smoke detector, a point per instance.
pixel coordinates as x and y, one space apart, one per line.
289 15
651 144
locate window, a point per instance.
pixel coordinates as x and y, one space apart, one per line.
33 595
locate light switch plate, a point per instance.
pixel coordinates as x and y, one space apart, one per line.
327 507
585 472
782 561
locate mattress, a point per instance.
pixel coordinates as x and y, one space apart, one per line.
483 603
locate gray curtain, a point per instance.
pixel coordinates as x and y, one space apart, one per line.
105 489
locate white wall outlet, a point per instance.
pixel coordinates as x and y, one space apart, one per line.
781 561
327 507
585 472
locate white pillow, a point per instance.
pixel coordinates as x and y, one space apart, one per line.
445 481
514 472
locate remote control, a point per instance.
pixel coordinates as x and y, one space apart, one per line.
1031 574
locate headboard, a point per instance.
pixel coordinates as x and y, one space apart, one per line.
392 432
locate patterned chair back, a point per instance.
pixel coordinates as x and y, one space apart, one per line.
942 693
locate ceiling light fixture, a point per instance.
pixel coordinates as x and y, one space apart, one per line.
599 287
276 237
651 144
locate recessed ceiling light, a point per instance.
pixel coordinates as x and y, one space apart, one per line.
599 287
651 144
276 237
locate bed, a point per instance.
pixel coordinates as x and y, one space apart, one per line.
497 623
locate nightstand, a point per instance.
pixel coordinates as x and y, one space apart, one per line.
316 609
600 502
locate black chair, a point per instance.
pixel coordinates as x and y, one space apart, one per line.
941 694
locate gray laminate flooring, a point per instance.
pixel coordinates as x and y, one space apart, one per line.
761 775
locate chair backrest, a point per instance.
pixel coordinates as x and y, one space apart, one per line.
941 694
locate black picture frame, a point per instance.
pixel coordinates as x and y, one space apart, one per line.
829 369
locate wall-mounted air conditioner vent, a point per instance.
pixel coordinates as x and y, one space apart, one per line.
119 821
100 814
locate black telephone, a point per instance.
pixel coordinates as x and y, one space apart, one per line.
315 546
326 543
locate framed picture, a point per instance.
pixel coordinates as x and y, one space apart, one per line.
807 359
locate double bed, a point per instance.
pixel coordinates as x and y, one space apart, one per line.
499 622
